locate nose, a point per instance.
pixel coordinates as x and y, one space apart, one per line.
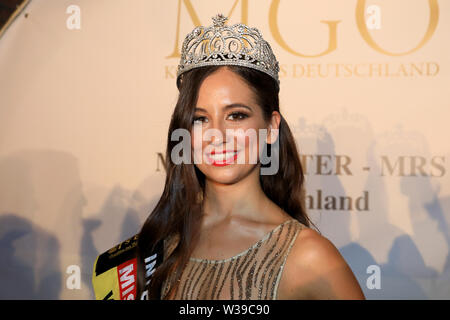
219 133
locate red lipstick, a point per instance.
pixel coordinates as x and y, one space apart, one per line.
225 162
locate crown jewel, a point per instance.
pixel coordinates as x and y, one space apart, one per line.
227 45
219 20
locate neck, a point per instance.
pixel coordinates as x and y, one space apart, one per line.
244 199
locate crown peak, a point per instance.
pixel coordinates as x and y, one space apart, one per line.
219 20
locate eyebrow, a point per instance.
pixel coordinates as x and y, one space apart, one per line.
227 107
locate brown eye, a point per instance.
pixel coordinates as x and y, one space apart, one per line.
238 116
198 119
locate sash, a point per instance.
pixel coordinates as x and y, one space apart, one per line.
114 275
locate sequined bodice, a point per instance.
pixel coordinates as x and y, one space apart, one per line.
253 274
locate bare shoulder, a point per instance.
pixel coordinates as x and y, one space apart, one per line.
316 270
311 247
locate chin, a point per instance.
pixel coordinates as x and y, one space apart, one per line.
227 174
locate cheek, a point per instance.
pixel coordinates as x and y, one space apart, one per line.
200 146
249 143
197 146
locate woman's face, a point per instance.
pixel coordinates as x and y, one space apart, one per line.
225 131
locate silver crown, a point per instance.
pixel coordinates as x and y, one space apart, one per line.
227 45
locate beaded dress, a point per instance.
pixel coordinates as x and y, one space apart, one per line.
253 274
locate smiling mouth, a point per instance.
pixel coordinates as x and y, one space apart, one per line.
222 158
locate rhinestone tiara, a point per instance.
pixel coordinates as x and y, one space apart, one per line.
227 45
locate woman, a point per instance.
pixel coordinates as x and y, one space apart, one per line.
230 231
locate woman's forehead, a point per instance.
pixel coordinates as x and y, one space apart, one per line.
224 87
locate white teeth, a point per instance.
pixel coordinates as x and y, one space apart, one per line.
222 156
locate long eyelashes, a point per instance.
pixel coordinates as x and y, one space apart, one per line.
197 119
240 115
235 115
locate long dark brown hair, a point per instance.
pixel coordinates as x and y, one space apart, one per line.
179 210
